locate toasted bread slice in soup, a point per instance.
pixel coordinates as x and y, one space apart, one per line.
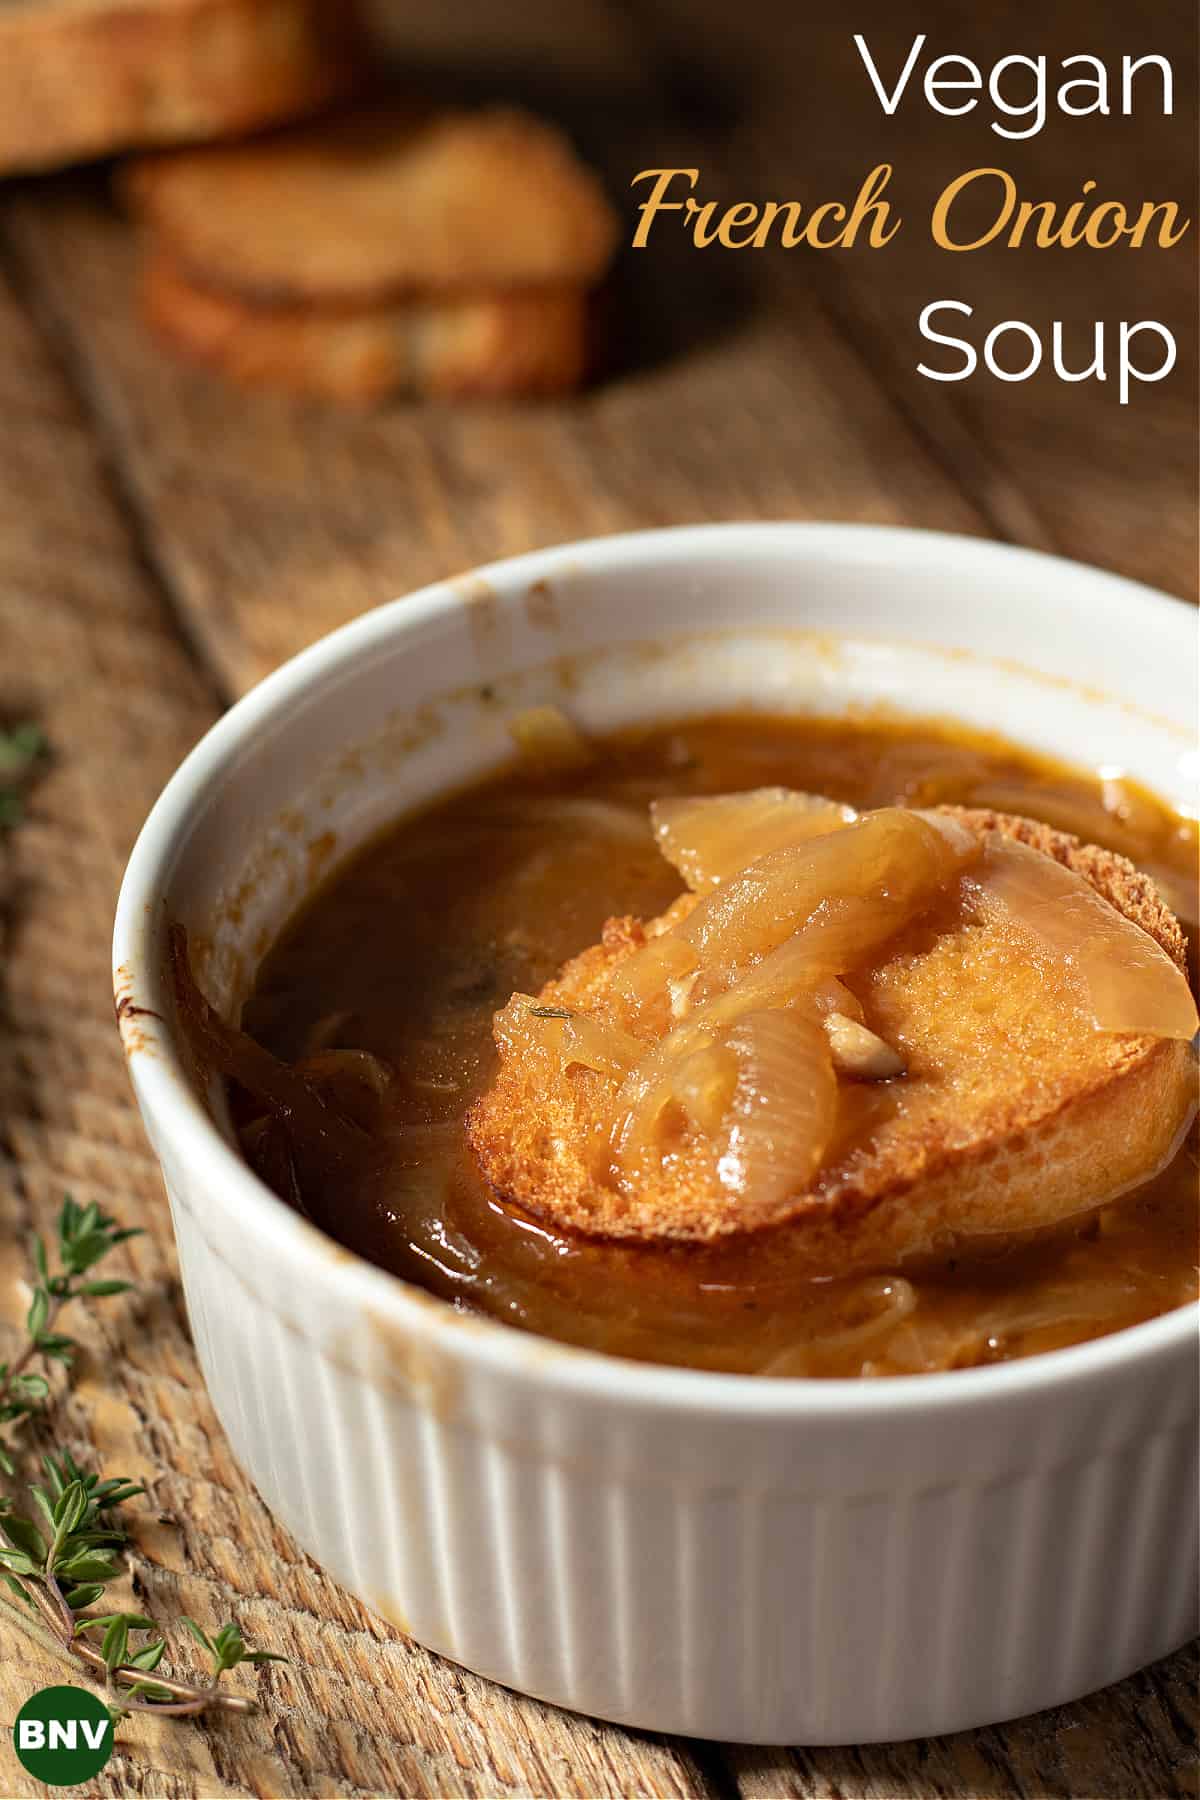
387 200
82 78
481 344
1009 1048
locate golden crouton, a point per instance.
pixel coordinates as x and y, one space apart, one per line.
483 344
1014 1114
82 78
379 202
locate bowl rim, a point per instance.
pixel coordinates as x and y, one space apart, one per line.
161 1080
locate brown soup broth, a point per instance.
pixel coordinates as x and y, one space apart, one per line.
409 949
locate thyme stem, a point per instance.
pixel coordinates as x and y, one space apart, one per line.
62 1562
52 1638
10 1372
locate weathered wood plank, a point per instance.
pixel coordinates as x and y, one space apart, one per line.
87 647
274 521
263 523
1136 1741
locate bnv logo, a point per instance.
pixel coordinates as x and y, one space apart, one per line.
63 1735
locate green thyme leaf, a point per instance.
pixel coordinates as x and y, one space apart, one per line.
18 1563
19 1589
24 1535
77 1598
149 1656
88 1565
39 1313
200 1635
115 1643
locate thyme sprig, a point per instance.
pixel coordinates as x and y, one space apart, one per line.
58 1558
85 1235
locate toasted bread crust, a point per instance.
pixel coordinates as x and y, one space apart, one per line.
379 202
482 345
82 78
1071 1119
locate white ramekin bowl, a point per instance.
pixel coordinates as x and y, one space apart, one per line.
769 1561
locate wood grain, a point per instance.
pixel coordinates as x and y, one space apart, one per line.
164 541
1133 1742
271 521
90 650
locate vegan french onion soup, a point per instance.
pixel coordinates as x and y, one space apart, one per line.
772 1045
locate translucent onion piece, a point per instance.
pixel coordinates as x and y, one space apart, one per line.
848 891
1128 982
642 982
956 832
604 818
710 838
648 1088
884 1300
649 1085
895 863
704 1083
834 996
679 993
606 1048
838 934
547 739
528 1026
791 976
1087 816
783 1111
334 1070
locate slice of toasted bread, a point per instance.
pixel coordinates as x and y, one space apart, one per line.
82 78
1014 1115
383 201
486 345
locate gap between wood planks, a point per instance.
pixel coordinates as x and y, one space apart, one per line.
76 814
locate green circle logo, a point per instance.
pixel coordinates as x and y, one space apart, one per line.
63 1735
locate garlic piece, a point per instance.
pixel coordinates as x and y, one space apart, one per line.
860 1051
679 993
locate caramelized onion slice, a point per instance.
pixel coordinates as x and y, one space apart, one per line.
322 1135
1128 982
352 1082
334 1069
782 1114
709 838
845 893
527 1026
704 1083
642 983
763 1091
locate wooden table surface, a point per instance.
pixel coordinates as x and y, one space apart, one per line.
165 541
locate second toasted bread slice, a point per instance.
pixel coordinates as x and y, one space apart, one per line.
462 345
383 201
1013 1116
81 78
